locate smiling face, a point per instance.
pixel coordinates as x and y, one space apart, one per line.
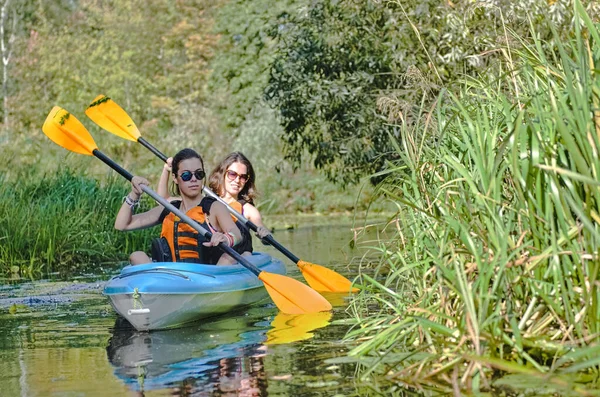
234 179
193 187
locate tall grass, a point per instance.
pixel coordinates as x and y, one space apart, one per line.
495 265
62 223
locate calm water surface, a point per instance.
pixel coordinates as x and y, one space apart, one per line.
63 339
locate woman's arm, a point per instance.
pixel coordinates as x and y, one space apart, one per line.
222 221
126 220
253 216
163 184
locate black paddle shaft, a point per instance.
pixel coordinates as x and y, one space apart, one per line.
154 150
127 175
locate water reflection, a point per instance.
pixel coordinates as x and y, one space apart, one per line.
289 328
223 357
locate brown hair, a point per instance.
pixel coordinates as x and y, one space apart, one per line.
216 178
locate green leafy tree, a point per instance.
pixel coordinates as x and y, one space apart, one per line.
337 60
333 62
240 69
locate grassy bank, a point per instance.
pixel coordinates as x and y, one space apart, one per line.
494 269
62 223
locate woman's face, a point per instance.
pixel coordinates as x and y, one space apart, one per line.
235 178
190 177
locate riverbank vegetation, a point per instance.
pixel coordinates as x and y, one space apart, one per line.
478 120
64 223
494 269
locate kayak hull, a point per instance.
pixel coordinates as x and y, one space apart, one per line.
169 295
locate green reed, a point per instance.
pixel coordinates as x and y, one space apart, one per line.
494 268
62 223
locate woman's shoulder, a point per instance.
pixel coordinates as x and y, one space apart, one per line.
206 203
175 202
244 201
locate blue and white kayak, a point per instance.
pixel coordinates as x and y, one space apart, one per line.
163 295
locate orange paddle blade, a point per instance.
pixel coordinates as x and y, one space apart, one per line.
289 328
66 131
111 117
324 279
291 296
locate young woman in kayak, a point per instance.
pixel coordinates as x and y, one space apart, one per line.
185 243
233 180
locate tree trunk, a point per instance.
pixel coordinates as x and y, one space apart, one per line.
5 52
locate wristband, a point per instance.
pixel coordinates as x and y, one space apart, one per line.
233 238
229 239
131 203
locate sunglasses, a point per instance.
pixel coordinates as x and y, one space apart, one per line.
232 176
186 176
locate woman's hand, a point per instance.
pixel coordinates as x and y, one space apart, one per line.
216 239
168 165
136 184
262 232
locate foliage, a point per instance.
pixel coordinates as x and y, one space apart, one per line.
336 58
151 57
332 60
240 68
495 265
240 72
62 223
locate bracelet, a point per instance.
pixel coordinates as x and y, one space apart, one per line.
229 239
131 203
232 239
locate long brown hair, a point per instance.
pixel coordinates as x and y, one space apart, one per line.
217 176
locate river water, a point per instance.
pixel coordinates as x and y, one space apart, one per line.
61 338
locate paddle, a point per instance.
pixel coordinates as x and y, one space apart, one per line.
289 295
111 117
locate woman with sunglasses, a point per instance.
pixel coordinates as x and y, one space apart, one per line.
185 243
233 180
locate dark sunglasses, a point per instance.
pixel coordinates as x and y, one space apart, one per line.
232 176
186 176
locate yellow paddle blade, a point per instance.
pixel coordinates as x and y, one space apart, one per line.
324 279
291 296
111 117
66 131
289 328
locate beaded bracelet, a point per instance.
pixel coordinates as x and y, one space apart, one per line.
131 203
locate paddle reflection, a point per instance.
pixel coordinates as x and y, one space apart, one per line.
223 357
289 328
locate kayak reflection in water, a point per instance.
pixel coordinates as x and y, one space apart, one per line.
221 357
190 361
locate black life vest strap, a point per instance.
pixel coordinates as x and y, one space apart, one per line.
178 247
191 260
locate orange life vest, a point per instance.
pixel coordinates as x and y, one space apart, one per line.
184 241
246 244
239 207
